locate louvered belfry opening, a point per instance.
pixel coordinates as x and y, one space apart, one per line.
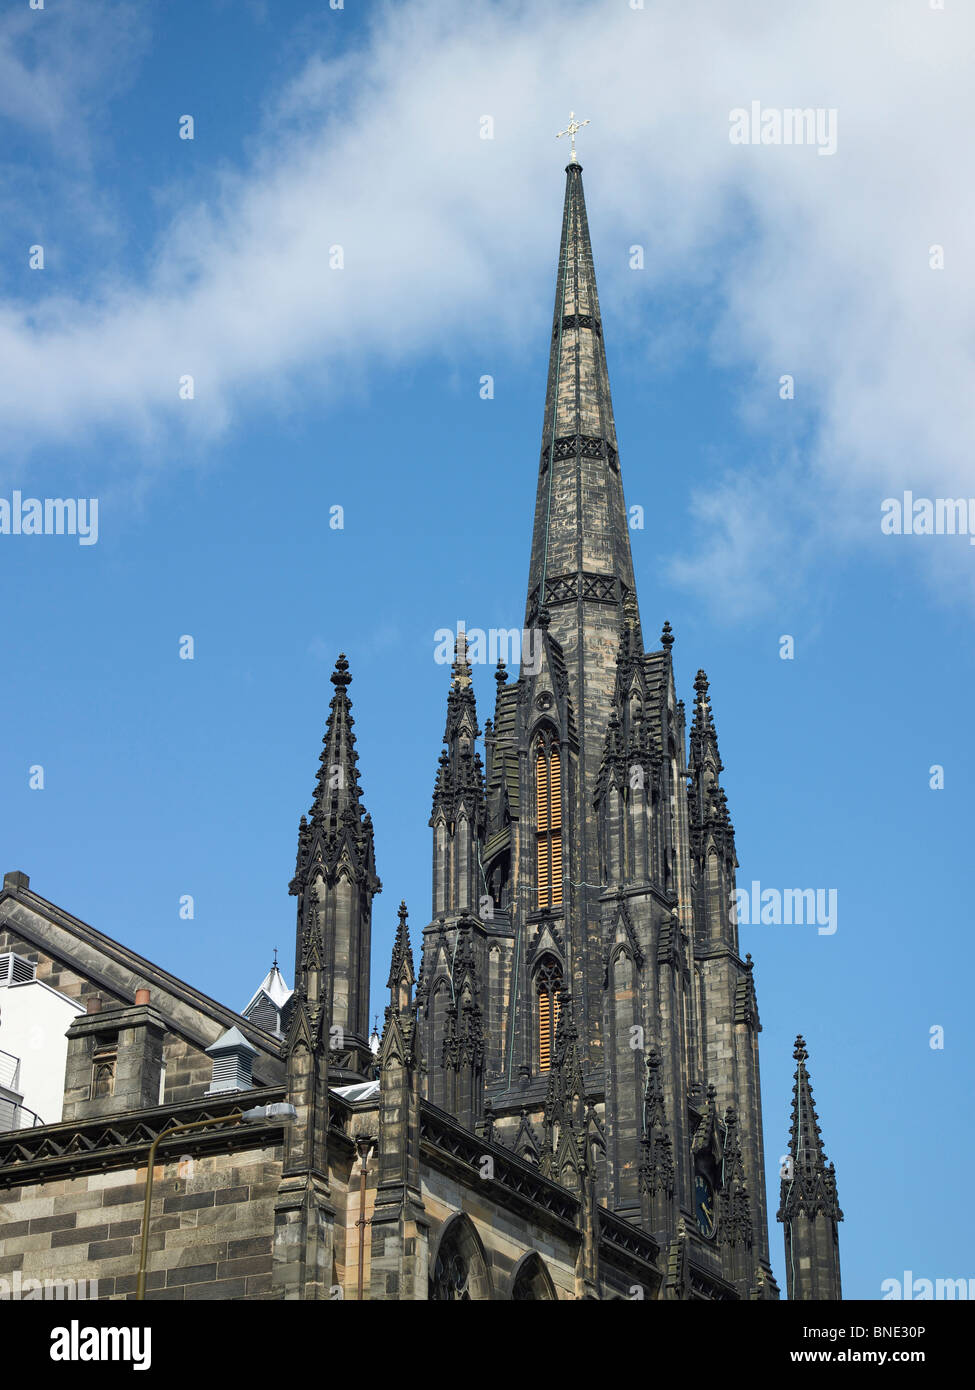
549 984
548 823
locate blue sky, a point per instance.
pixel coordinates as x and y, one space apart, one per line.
360 388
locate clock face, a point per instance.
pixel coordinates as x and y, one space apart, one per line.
704 1205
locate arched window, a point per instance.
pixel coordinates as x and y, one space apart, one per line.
548 984
532 1280
548 822
460 1273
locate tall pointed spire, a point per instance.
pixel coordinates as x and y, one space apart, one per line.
581 590
581 544
584 868
809 1207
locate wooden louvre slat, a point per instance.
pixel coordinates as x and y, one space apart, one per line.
555 791
544 1030
556 871
541 794
548 814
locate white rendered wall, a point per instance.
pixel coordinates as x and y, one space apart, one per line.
33 1021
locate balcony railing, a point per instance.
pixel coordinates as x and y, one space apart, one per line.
13 1116
9 1070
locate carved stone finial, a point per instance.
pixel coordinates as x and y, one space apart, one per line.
340 676
461 669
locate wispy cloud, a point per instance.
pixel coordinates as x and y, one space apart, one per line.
820 265
60 66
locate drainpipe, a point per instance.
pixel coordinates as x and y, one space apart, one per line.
364 1147
284 1112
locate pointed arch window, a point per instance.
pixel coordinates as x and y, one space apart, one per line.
548 822
548 984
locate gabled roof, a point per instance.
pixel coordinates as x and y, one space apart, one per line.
120 971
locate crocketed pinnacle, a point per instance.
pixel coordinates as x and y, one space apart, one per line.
337 790
809 1182
707 802
337 827
401 962
459 782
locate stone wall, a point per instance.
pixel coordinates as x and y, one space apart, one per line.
189 1070
55 973
210 1231
505 1235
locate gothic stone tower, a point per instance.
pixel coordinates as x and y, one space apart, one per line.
809 1207
589 868
565 1103
335 882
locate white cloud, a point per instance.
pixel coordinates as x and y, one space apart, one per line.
61 65
820 264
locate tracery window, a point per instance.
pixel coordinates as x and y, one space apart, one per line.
451 1278
459 1273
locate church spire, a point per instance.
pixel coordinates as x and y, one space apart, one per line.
581 545
809 1207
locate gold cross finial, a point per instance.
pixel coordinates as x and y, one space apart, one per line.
572 130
